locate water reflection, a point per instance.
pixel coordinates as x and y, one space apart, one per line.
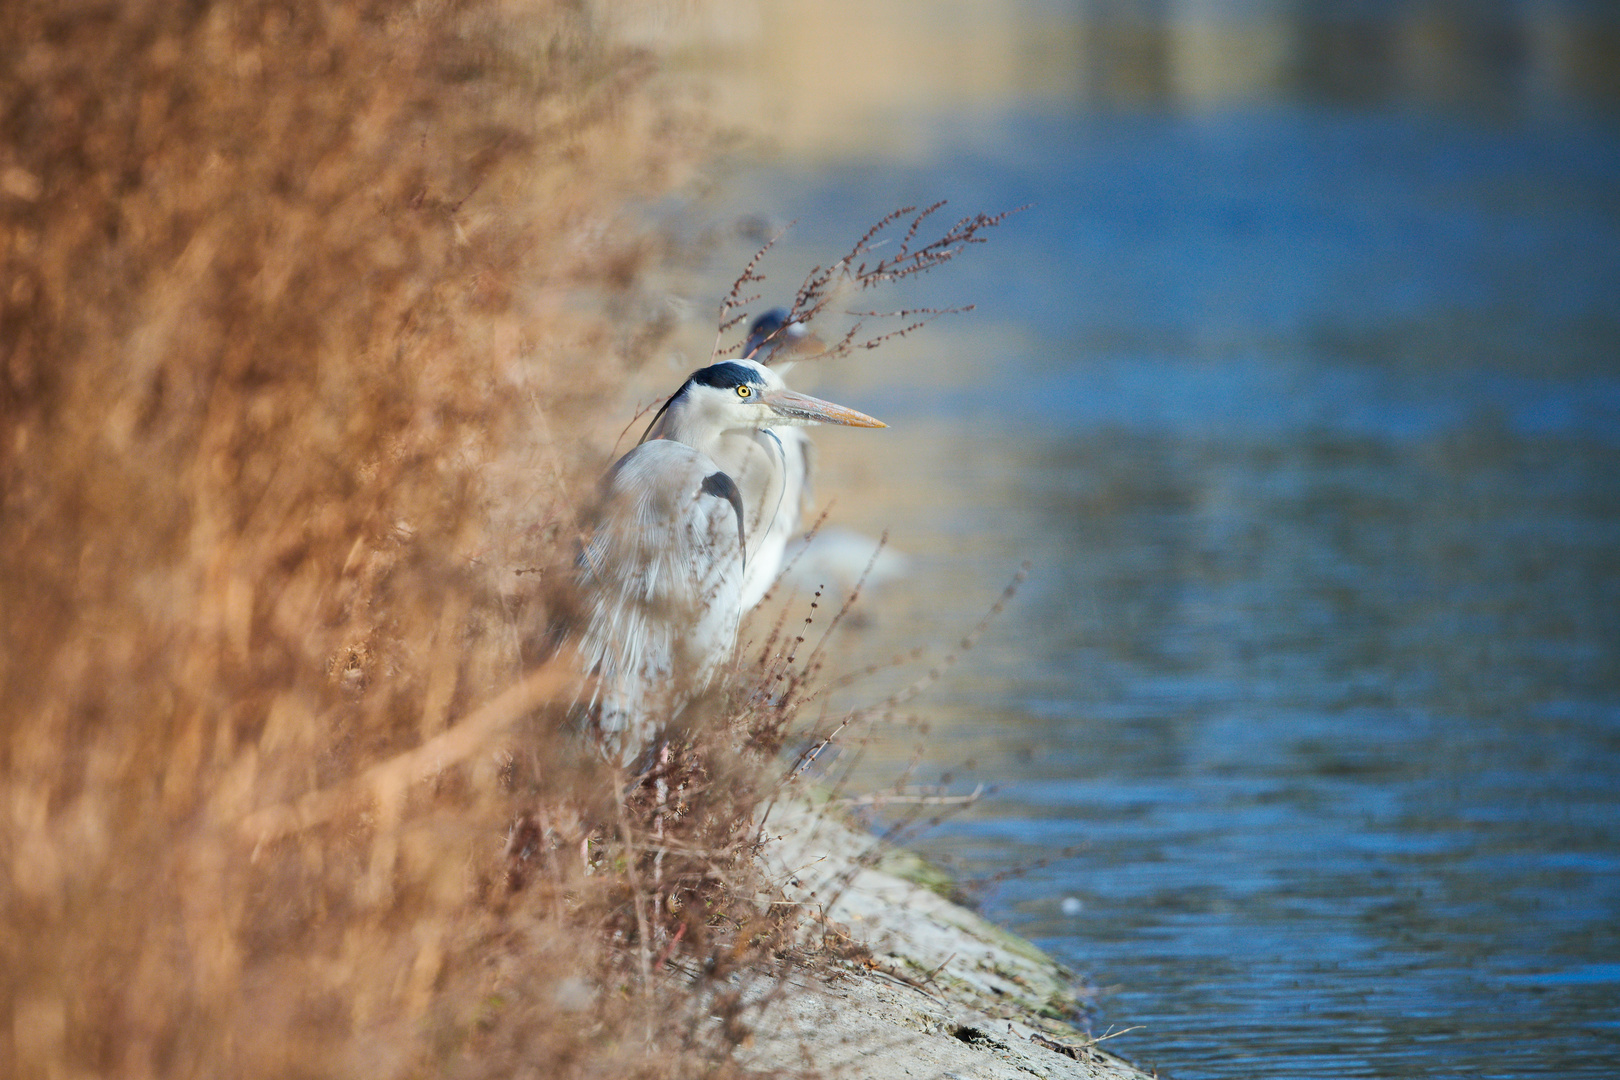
1299 387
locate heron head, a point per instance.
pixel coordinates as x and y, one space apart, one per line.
777 338
742 394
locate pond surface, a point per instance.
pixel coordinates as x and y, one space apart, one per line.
1305 409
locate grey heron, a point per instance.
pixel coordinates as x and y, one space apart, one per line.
665 567
836 557
776 339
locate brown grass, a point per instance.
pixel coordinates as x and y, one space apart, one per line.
308 317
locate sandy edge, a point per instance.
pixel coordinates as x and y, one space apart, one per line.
946 994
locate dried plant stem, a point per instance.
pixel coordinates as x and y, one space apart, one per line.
386 781
638 895
861 269
888 798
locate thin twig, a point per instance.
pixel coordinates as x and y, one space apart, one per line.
386 781
884 798
642 939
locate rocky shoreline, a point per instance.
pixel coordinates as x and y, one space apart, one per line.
936 990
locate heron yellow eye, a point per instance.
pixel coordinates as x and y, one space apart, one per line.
744 391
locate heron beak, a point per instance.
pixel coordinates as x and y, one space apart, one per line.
804 409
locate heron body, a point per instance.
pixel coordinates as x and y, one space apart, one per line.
665 567
776 340
835 558
682 516
844 560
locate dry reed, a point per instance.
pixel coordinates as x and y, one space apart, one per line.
304 311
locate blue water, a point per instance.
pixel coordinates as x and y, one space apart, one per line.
1308 419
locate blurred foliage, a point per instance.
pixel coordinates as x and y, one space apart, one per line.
295 376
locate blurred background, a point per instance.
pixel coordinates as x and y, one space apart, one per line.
1299 385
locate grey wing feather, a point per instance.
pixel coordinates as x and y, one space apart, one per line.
724 487
663 571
